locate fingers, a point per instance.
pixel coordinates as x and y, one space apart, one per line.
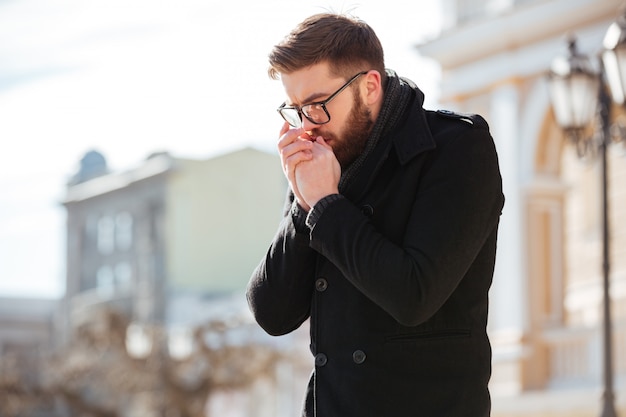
286 126
318 177
290 135
294 154
294 146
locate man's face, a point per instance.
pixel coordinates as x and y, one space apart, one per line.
350 119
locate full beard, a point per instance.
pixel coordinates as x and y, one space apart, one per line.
353 140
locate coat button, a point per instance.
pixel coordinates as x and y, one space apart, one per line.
320 359
358 357
321 284
367 210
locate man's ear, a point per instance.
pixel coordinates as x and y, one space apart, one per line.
372 88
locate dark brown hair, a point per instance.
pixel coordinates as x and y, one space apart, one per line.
349 45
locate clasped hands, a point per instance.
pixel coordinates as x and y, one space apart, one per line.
309 164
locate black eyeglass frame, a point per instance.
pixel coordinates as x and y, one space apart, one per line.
322 104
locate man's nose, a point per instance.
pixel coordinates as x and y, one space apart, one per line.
307 125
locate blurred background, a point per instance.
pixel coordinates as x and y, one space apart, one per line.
139 187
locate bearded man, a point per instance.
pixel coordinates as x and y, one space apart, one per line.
388 240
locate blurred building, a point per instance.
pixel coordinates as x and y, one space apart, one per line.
546 312
173 242
26 325
170 229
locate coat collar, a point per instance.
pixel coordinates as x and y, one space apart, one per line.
413 136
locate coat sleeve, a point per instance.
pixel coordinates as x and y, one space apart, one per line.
280 289
455 210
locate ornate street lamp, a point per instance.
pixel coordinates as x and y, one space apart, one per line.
574 87
579 96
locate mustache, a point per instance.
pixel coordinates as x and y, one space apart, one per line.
319 132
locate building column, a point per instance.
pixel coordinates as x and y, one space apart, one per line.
508 318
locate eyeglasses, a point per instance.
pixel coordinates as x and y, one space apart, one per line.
316 112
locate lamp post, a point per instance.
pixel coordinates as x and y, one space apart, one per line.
579 94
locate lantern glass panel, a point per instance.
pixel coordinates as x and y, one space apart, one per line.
574 99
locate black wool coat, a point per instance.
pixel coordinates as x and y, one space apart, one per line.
394 275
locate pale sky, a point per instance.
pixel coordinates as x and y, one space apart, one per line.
132 77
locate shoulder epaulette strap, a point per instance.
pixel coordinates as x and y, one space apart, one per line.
473 119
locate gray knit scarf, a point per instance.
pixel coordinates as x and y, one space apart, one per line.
397 95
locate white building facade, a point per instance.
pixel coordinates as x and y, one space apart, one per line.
546 312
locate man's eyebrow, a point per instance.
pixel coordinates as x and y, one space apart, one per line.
314 97
311 98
